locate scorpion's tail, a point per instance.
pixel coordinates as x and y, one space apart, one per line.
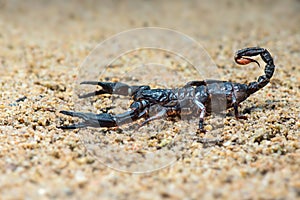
269 68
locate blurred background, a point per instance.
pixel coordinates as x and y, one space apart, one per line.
86 23
95 20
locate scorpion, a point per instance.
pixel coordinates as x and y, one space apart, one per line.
193 99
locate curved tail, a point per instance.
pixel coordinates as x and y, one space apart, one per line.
242 58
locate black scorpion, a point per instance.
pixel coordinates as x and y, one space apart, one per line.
193 99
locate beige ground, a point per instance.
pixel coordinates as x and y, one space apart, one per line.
41 45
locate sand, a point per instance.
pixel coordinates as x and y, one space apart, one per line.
42 45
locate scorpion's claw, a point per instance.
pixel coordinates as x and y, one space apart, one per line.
107 86
90 119
89 83
91 94
117 88
73 114
73 126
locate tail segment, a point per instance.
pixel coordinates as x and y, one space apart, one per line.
269 68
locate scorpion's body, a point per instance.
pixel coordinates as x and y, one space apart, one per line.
193 99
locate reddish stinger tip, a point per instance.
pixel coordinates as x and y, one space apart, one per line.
245 61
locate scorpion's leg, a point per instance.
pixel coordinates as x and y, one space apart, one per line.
236 112
269 68
235 107
235 101
202 115
137 110
113 88
159 115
